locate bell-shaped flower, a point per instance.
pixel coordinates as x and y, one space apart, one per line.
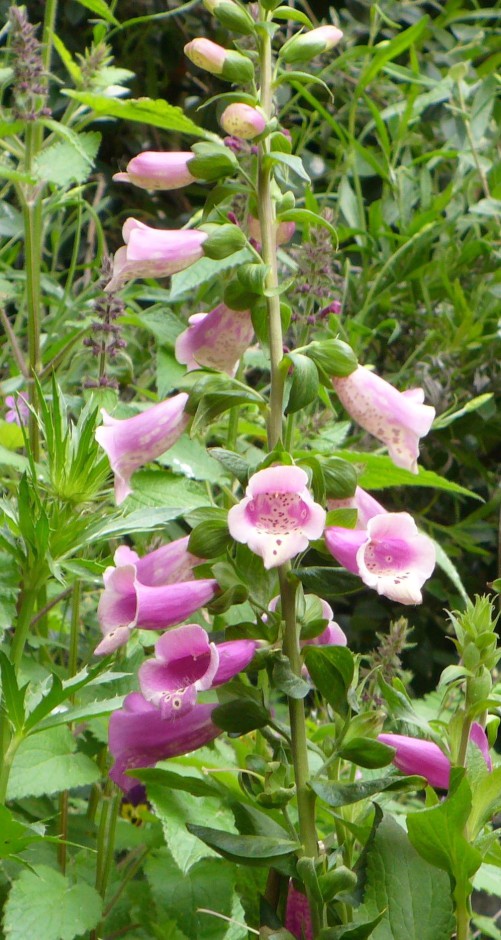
140 737
185 663
390 556
165 565
156 170
150 252
414 756
132 442
397 419
242 120
363 502
216 339
297 914
277 517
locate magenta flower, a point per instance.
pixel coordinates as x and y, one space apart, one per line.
160 601
363 502
277 517
216 339
414 756
18 409
297 914
390 555
186 663
156 170
140 737
132 442
397 419
242 120
150 252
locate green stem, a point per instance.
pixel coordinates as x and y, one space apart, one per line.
462 922
23 625
48 30
5 769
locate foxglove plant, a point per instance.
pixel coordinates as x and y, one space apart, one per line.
216 339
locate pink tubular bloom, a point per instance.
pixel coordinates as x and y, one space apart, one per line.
397 419
150 252
140 737
132 442
185 663
149 593
333 635
277 517
242 120
390 555
206 54
283 233
414 756
216 339
297 914
156 170
363 502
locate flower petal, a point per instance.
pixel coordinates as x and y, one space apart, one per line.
425 758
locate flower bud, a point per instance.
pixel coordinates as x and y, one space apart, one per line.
479 688
151 170
242 120
230 15
223 241
306 46
227 64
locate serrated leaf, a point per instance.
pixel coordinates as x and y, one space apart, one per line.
62 163
101 9
44 904
379 472
174 808
339 794
249 850
9 589
47 763
155 112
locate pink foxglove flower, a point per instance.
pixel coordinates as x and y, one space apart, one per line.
297 914
161 602
140 737
228 64
278 517
132 442
168 564
390 555
363 502
283 232
317 41
242 120
414 756
18 410
397 419
185 663
150 252
216 339
157 170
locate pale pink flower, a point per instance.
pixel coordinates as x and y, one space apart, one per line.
242 120
150 252
390 555
363 502
216 339
397 419
333 635
132 442
18 409
278 517
157 170
283 231
185 663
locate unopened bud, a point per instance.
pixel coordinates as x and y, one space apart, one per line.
230 65
231 15
223 241
308 45
336 880
242 120
152 170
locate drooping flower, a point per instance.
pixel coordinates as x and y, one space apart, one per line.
185 663
397 419
18 409
150 252
297 914
132 442
363 502
216 339
304 47
390 555
242 120
156 170
283 231
415 756
277 517
159 601
333 635
140 737
228 64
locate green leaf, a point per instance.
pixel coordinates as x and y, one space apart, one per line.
190 458
286 680
151 111
366 752
14 835
486 800
331 669
352 931
306 217
303 384
414 897
247 850
204 271
328 582
44 904
385 51
62 163
337 794
379 472
12 695
445 419
9 589
168 779
155 488
288 13
140 520
232 462
444 562
101 9
240 716
292 162
438 835
47 763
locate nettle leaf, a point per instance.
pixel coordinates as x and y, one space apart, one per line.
62 162
155 112
48 763
378 472
248 850
14 835
44 904
414 896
